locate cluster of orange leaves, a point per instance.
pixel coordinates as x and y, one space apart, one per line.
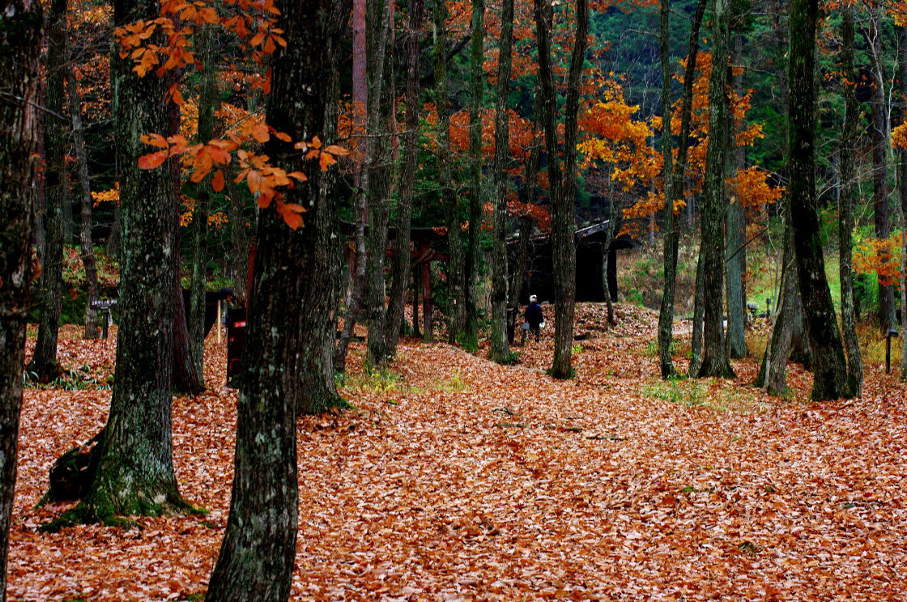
881 256
107 196
262 178
899 136
254 23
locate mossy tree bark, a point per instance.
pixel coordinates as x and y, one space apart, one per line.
829 366
674 173
500 348
132 462
401 263
714 354
847 201
20 36
562 179
44 361
258 550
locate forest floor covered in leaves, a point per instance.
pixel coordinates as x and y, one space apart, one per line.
456 478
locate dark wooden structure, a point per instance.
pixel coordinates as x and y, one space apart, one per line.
539 278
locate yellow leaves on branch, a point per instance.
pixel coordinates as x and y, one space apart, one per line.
899 136
107 196
614 138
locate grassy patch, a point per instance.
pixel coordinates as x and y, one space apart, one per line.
373 380
454 383
679 391
724 396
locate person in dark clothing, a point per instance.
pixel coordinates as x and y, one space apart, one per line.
534 317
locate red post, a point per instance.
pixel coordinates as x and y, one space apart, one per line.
428 306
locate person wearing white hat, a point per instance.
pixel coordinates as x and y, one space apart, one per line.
534 317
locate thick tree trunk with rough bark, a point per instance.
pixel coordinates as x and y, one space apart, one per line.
44 362
20 37
714 354
258 550
92 329
132 462
829 366
401 263
562 181
674 174
500 349
846 208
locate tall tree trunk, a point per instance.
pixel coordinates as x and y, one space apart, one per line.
449 198
195 311
562 182
402 254
518 276
902 171
846 208
20 36
132 467
676 173
698 319
666 312
186 378
880 192
380 99
829 366
257 554
473 247
773 370
788 340
240 242
714 356
356 291
735 224
500 350
92 330
44 362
